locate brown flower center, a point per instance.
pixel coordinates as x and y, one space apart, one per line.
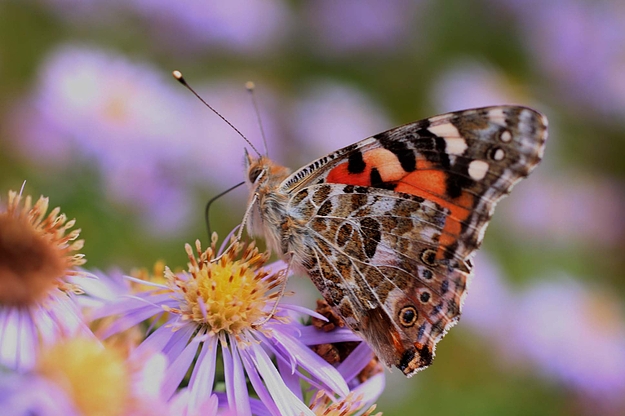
35 251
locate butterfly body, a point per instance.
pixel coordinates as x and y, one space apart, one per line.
386 227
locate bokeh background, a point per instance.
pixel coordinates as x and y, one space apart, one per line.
90 116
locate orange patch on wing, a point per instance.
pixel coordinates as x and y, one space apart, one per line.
426 181
340 174
386 163
431 184
383 160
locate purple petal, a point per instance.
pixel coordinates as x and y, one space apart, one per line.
14 333
236 389
65 314
303 310
286 401
128 303
129 320
156 342
356 361
283 356
371 389
312 336
30 395
258 385
203 376
291 379
179 341
178 369
313 363
259 408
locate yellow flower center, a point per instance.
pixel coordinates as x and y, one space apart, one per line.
228 294
35 251
96 379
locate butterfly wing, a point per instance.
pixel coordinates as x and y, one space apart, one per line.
394 219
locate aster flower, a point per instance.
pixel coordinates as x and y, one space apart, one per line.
487 311
223 303
471 83
578 44
30 394
352 357
575 335
329 115
88 379
135 127
38 256
556 209
233 25
121 116
360 26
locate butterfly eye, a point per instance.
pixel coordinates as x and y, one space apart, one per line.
254 173
408 316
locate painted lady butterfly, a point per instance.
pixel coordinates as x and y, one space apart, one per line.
386 227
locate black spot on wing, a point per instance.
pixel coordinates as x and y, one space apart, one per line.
355 162
405 155
377 182
432 147
459 178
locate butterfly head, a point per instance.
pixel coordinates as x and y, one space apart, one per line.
267 203
262 172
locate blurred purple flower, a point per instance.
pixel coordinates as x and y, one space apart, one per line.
360 25
119 115
225 305
574 334
222 158
22 395
487 308
469 84
82 377
236 25
580 45
568 208
329 116
152 141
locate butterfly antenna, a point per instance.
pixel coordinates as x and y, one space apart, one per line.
210 202
249 86
180 78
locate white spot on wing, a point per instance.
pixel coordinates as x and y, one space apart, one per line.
496 115
499 155
505 136
478 169
455 146
454 142
445 130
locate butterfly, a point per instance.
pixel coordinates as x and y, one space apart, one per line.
386 227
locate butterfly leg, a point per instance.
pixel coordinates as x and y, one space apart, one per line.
244 221
285 279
